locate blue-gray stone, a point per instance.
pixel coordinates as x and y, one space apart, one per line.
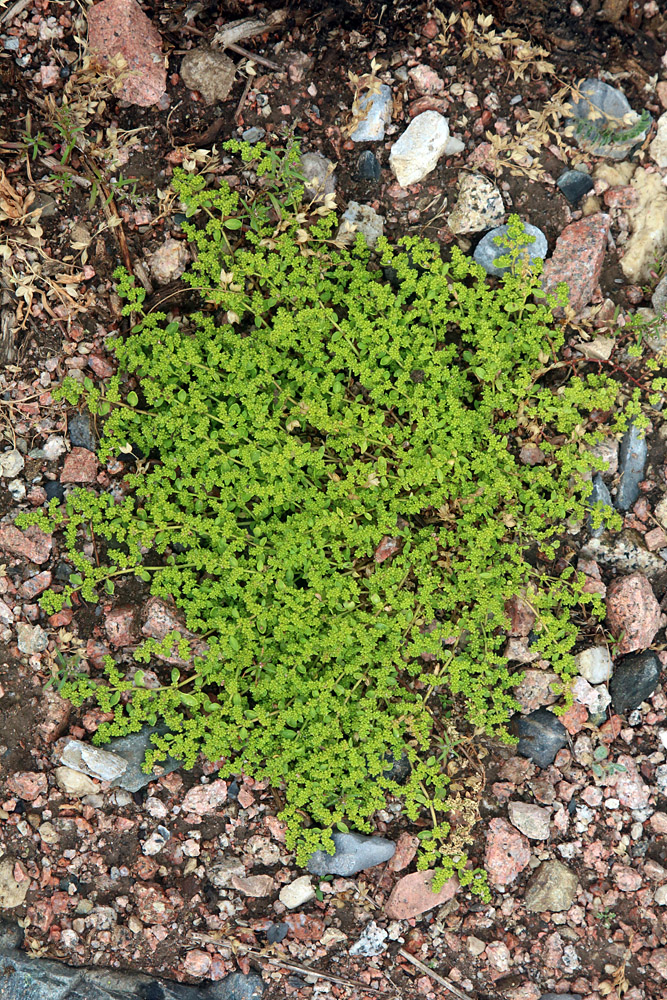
374 112
631 466
354 853
599 494
368 166
253 135
53 488
80 431
574 184
237 986
487 250
276 933
561 996
541 736
133 749
610 105
634 680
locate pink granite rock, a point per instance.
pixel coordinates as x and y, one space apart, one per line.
412 895
633 612
121 27
507 853
120 626
31 543
577 259
80 466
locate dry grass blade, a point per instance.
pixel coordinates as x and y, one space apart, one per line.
325 975
434 975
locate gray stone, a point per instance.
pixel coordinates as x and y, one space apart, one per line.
552 889
253 134
354 853
368 166
319 174
236 986
601 108
632 464
209 72
530 819
635 679
91 760
374 113
599 495
80 431
561 996
659 297
133 749
360 219
487 250
399 770
574 184
540 734
625 553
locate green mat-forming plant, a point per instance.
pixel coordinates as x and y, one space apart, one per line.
310 410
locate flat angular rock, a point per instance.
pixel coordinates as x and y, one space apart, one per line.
540 734
121 27
552 889
413 895
507 853
577 260
80 431
574 184
209 72
635 679
415 154
633 613
93 761
632 464
373 115
354 853
479 206
133 749
487 250
531 820
31 543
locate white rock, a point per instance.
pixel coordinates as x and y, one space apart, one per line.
454 146
297 893
93 761
660 895
372 940
420 147
594 664
154 844
479 206
648 220
360 219
374 113
11 463
74 783
31 638
658 148
169 261
595 699
54 447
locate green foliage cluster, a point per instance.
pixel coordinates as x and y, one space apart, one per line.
310 410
